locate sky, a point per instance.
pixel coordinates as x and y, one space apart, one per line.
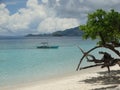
21 17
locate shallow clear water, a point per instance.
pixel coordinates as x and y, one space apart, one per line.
21 61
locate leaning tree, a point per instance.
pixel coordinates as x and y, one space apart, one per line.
104 26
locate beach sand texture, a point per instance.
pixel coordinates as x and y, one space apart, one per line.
89 79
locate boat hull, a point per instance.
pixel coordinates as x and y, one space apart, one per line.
47 47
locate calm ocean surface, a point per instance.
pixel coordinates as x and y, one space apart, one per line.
21 62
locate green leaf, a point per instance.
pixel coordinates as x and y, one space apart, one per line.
102 25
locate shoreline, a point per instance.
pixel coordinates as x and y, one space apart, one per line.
68 81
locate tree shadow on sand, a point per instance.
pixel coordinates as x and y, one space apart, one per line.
105 79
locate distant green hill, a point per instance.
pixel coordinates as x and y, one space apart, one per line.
68 32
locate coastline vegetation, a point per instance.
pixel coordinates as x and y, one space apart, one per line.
104 26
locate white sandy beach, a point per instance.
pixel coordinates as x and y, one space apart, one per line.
83 80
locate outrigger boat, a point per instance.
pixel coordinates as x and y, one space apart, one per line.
44 45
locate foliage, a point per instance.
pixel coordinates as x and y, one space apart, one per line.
105 26
102 25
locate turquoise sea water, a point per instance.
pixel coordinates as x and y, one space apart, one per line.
22 62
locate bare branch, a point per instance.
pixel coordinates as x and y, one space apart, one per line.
108 46
91 66
85 56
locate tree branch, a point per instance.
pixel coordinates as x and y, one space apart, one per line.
112 49
85 56
102 38
91 66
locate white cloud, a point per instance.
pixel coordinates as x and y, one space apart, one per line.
35 18
104 2
45 1
55 24
50 15
4 13
20 22
4 17
32 3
